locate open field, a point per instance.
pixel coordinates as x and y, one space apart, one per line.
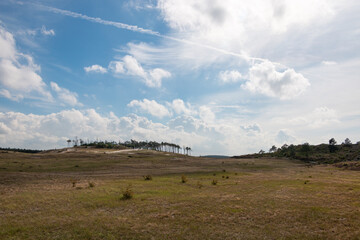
48 196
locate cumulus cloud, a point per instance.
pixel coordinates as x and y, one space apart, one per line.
65 95
52 131
265 79
206 114
130 66
18 73
95 68
151 107
116 67
230 76
180 107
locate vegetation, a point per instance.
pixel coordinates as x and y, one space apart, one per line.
149 145
127 193
323 153
147 177
183 179
267 198
20 150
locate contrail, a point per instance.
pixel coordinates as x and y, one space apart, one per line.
149 32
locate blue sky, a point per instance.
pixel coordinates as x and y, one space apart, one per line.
222 77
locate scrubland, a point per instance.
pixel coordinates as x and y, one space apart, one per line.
79 194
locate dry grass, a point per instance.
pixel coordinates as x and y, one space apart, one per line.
266 199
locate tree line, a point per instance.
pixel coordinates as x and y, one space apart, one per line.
331 152
150 145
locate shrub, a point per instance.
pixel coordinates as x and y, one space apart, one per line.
199 185
223 176
214 174
147 177
183 179
91 184
227 177
214 182
224 170
127 194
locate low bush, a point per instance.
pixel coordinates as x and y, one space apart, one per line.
127 194
183 179
147 177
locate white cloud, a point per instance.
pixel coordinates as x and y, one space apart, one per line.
95 68
230 76
156 76
133 67
130 66
284 136
5 93
265 79
18 73
151 107
179 107
47 32
206 114
116 67
7 45
65 95
52 131
320 117
328 63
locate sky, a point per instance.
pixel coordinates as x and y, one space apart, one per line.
222 77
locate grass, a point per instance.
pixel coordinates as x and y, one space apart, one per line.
269 201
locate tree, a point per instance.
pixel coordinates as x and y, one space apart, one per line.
261 151
291 150
68 142
332 145
305 149
347 142
273 149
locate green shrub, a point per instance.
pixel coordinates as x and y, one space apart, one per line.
127 194
147 177
91 184
199 185
183 179
214 182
